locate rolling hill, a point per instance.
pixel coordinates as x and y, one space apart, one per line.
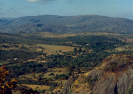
66 24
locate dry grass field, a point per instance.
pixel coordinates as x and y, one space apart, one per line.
38 87
47 74
49 34
54 49
125 48
49 49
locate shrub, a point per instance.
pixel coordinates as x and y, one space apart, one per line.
6 87
29 92
43 91
52 86
91 81
129 91
111 67
51 74
70 91
62 75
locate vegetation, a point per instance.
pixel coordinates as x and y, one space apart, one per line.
70 91
129 91
6 86
83 60
119 62
26 55
25 68
29 92
66 24
112 67
19 54
97 43
91 81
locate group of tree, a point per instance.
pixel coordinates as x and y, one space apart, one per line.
19 54
97 43
7 85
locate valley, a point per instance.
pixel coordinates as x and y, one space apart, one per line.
66 57
48 63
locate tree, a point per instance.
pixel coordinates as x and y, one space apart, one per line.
45 66
60 51
80 49
6 87
71 69
44 54
78 69
75 49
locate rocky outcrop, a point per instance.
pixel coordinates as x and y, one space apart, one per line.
113 84
114 76
67 85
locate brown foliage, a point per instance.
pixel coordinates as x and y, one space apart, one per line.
6 88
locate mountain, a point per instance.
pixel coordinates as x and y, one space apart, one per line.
114 76
66 24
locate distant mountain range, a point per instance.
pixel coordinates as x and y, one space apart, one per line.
66 24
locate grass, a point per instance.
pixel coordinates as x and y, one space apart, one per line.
49 49
128 47
29 75
2 63
54 71
38 87
41 88
125 48
54 49
49 34
47 74
16 92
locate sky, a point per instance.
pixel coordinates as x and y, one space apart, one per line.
111 8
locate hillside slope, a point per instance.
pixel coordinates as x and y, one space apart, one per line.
114 76
66 24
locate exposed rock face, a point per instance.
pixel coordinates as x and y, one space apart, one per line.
68 84
114 76
114 84
125 81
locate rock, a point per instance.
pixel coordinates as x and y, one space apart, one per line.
67 85
114 76
114 82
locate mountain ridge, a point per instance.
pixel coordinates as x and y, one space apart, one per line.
66 24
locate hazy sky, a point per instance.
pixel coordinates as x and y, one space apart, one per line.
112 8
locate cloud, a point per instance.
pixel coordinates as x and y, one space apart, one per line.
0 2
38 0
32 0
10 10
